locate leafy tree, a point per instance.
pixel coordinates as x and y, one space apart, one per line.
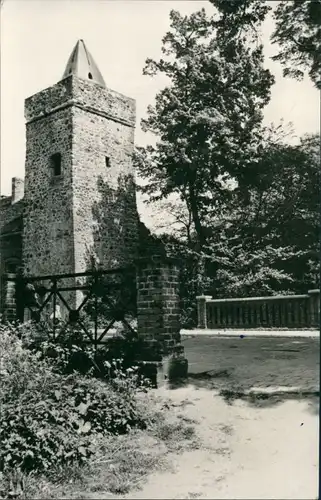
248 200
171 216
268 241
207 119
298 34
297 30
240 18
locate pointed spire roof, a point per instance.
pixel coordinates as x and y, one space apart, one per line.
81 63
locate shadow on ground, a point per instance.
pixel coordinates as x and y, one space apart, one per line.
233 366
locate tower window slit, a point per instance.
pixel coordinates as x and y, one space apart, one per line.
107 161
56 164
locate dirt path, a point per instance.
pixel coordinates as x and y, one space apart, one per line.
246 452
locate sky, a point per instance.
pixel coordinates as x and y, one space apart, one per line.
37 37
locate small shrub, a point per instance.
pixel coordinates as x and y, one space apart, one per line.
72 353
49 418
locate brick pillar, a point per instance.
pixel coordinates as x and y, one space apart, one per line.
158 315
8 299
314 308
201 310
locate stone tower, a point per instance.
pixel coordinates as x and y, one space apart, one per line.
80 198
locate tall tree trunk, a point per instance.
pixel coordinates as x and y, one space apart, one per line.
200 265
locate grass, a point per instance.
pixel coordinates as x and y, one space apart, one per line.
122 463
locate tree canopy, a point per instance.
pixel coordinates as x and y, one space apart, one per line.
297 30
249 199
207 119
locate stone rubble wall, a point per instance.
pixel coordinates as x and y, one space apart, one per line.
105 212
48 218
10 232
73 91
9 213
90 211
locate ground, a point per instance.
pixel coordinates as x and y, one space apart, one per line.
253 403
246 452
234 362
251 446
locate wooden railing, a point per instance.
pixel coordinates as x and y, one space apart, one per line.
278 311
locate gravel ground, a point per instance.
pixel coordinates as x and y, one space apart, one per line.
235 363
249 448
246 452
253 404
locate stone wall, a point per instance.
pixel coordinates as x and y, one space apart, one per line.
158 318
106 102
73 91
88 212
10 212
10 234
48 219
105 212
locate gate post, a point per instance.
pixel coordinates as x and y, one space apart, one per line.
158 316
314 308
201 310
8 292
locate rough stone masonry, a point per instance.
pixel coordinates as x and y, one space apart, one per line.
79 201
87 207
77 204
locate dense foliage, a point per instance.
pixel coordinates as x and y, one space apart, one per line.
296 33
206 120
269 241
50 418
245 199
266 241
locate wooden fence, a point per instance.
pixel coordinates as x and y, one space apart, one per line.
279 311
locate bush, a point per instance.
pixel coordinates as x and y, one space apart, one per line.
49 418
72 353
